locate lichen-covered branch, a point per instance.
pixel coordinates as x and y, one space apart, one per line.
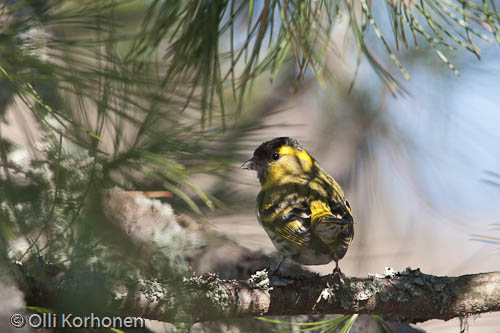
408 296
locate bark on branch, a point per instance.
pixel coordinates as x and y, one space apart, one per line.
408 296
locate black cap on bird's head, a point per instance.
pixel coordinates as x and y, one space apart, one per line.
264 152
267 152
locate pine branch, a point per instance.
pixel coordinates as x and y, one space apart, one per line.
408 296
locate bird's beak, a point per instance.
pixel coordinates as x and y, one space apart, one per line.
248 165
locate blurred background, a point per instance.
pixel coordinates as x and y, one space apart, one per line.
174 96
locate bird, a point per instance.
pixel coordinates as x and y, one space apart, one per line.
301 207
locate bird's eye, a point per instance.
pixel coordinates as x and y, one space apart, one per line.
276 156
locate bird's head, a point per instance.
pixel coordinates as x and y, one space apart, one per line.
278 159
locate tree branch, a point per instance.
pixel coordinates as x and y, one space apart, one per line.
408 296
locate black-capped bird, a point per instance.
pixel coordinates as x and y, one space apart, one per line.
301 207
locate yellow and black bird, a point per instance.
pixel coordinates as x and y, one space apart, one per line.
301 207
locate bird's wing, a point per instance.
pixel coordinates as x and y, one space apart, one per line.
286 216
335 204
330 213
294 231
330 227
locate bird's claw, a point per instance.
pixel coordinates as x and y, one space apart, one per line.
272 272
337 276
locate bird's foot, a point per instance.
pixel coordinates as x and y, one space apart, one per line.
279 276
273 271
337 276
276 271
